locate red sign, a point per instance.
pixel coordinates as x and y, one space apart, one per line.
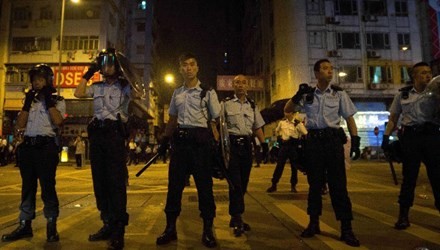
71 75
224 82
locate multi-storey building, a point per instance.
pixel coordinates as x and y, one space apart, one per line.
30 33
371 44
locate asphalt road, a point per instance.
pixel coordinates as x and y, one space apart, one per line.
276 219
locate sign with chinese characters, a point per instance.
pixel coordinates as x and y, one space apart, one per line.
71 76
224 83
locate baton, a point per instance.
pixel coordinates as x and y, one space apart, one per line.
148 164
393 172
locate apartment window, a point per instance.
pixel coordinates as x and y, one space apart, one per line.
349 40
403 39
404 74
140 49
378 41
140 27
353 73
380 74
30 44
22 14
315 39
78 12
375 7
401 8
346 7
80 42
46 13
314 7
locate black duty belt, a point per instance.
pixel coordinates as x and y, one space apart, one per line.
38 140
290 141
240 140
106 123
323 133
189 133
426 128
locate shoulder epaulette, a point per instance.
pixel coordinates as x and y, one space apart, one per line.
204 88
405 91
98 82
336 88
252 102
407 88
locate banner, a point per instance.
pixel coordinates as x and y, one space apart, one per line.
224 82
71 76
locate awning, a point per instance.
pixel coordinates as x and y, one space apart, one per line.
13 104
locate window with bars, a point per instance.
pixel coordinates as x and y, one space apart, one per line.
315 39
380 74
314 7
401 8
403 39
375 7
348 40
80 42
378 41
353 73
346 7
31 44
404 74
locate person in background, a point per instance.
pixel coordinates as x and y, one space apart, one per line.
324 150
290 129
40 118
80 150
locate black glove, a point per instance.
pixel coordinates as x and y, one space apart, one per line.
46 93
303 89
265 148
93 68
385 143
163 146
355 144
30 96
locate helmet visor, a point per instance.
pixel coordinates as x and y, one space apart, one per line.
107 64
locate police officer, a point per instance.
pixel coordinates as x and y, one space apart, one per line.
291 130
192 106
324 151
41 116
107 144
243 120
419 138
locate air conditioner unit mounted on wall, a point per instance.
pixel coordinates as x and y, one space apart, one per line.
373 54
369 18
334 53
332 20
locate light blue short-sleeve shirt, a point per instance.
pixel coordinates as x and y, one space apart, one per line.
327 108
241 118
191 109
39 122
109 100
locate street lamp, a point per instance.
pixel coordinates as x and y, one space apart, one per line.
60 46
169 78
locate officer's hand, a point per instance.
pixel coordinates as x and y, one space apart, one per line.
355 144
30 96
385 143
93 68
163 146
303 89
265 148
46 92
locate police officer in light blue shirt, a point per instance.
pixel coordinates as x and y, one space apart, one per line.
193 108
243 121
419 137
324 151
107 135
41 116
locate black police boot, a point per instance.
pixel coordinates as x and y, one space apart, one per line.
403 221
103 233
51 230
347 234
24 230
208 238
312 228
237 224
246 226
170 233
272 188
117 237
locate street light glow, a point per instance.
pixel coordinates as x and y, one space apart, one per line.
342 74
169 78
75 1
